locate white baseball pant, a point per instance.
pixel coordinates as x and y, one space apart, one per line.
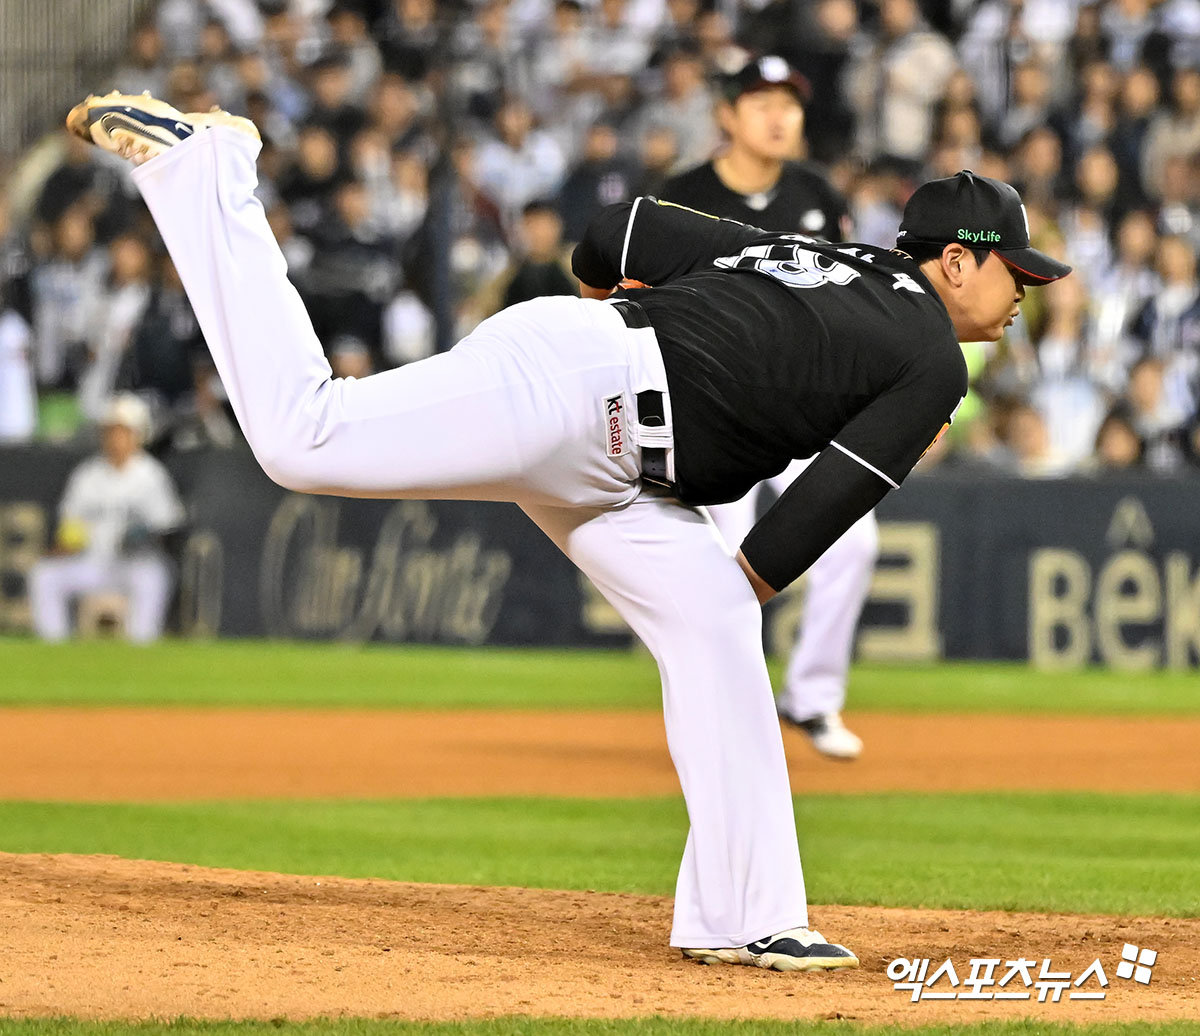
837 586
515 412
144 581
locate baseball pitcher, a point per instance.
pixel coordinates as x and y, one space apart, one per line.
609 421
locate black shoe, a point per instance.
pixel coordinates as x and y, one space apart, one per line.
797 949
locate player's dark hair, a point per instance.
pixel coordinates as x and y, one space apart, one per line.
922 251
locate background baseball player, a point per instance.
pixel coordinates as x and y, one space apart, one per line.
113 513
608 423
756 179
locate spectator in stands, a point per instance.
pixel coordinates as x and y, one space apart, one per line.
1038 168
1168 329
1093 113
200 419
544 262
143 69
1179 211
1118 447
1169 323
714 36
1029 441
395 111
1066 391
895 83
658 155
410 38
332 108
116 508
1085 223
1159 420
307 186
540 264
286 98
603 177
1127 25
118 311
558 59
1139 102
821 50
1119 293
353 272
1031 103
217 63
83 179
877 203
461 245
66 290
678 27
614 45
1174 133
519 162
166 344
349 33
400 202
685 106
486 61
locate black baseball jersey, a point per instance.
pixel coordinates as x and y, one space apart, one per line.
801 201
779 346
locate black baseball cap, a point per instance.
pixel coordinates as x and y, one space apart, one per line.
762 73
978 212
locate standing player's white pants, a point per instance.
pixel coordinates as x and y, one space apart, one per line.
144 581
837 586
515 412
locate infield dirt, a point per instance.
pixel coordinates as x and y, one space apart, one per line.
103 937
169 754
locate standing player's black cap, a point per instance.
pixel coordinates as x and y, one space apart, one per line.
978 212
763 73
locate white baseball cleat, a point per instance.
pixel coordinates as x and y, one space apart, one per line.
141 127
828 734
797 949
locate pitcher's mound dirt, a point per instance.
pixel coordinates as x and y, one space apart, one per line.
102 937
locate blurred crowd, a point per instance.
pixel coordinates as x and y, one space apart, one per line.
427 163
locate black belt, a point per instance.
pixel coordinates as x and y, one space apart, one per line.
650 409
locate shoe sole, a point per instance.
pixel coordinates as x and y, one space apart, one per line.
840 756
771 961
110 130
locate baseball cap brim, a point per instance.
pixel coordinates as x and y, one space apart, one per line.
1032 266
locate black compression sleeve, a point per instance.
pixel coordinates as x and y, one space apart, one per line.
830 495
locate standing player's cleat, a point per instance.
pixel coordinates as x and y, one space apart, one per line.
140 127
828 734
797 949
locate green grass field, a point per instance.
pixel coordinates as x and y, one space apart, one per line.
257 673
1073 853
1125 854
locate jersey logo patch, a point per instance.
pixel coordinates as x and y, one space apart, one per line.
793 265
616 430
